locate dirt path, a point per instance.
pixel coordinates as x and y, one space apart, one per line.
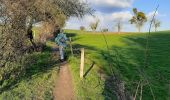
64 88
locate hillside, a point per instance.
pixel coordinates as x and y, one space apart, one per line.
127 56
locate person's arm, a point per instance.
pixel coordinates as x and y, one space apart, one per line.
56 40
65 37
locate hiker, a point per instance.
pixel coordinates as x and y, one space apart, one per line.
61 40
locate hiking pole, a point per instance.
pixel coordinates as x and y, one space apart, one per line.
71 48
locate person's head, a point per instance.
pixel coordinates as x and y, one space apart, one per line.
56 31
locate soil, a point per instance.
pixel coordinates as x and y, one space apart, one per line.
64 87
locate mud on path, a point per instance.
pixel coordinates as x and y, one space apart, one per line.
64 87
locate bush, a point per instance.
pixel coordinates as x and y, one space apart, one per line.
105 30
36 80
10 73
82 28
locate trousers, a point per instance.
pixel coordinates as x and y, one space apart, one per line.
61 51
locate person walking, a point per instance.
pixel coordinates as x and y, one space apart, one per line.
61 40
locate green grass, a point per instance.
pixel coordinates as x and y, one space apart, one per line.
37 82
39 77
131 48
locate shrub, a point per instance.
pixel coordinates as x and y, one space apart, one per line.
105 30
82 28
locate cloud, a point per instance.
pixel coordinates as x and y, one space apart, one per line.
107 20
157 14
111 3
151 14
124 15
107 11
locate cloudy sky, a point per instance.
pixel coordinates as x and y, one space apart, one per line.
109 11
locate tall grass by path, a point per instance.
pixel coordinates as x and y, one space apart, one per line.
38 80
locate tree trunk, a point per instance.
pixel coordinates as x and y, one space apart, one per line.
139 29
118 29
155 29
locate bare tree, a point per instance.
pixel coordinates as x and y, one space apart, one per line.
119 25
94 25
156 24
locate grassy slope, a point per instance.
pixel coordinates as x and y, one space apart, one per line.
38 81
131 49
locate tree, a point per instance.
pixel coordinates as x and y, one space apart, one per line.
156 24
17 16
105 30
82 28
138 19
119 25
94 25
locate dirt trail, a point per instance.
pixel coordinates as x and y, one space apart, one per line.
64 87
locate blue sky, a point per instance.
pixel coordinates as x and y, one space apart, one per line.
109 11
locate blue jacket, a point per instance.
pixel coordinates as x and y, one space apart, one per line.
61 39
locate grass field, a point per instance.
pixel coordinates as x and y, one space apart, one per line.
38 81
126 54
130 58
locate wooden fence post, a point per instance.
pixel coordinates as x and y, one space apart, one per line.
71 48
82 63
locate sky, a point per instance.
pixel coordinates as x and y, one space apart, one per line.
109 11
